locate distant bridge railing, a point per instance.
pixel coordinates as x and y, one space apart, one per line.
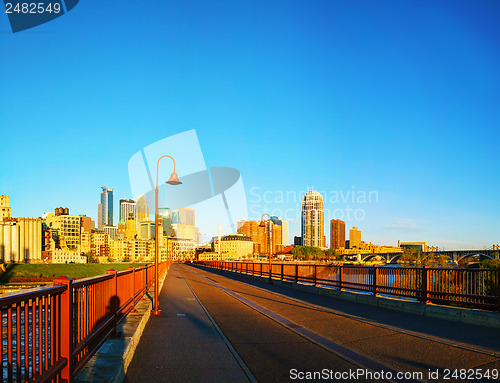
50 333
475 288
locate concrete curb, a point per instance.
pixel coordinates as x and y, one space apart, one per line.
111 361
454 314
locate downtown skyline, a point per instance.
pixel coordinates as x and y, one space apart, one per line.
393 98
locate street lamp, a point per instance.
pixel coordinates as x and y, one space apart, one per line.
173 180
270 249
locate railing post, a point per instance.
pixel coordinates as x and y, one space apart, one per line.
375 279
133 288
282 266
425 284
314 276
341 276
113 304
66 326
296 273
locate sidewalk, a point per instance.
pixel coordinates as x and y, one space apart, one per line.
182 344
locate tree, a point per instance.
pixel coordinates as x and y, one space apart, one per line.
331 254
91 258
307 253
409 256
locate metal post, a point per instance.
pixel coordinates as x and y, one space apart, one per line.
341 276
133 289
219 242
270 255
375 279
66 336
114 303
314 276
425 284
172 181
156 311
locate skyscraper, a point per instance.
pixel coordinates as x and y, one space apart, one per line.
284 229
106 207
354 237
128 206
313 219
142 208
337 234
186 216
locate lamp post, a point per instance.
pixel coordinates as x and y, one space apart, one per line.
173 180
270 249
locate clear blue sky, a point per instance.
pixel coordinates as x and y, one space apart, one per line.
396 97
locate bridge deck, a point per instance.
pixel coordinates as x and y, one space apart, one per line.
272 330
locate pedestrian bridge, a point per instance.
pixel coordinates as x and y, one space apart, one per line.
228 323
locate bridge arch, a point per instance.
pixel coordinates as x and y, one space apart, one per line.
474 254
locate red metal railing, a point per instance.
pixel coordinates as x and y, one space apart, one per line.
49 333
476 288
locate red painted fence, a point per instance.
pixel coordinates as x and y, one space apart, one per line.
476 288
50 333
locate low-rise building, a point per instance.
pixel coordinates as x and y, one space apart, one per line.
235 246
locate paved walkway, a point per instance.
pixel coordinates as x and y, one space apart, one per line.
182 344
204 310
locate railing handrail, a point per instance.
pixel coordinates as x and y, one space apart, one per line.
91 280
58 328
478 288
27 294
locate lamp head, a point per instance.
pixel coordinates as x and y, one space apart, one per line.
262 224
174 179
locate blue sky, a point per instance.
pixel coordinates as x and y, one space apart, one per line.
394 97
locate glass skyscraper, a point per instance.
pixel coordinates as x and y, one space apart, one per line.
106 207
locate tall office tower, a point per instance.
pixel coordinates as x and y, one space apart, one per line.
4 207
99 217
165 216
142 208
86 224
127 206
186 216
312 219
175 217
130 227
337 234
106 210
354 237
284 229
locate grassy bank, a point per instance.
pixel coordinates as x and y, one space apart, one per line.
45 273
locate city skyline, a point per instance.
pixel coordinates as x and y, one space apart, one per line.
397 99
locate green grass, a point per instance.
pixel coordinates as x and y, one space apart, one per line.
45 273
